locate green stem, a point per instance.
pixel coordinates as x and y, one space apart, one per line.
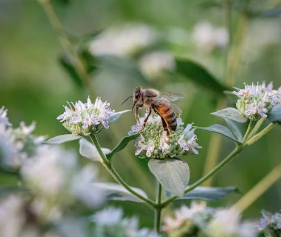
238 49
236 151
249 130
66 44
158 210
258 189
259 135
116 176
256 127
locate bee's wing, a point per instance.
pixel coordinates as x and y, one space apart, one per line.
171 96
176 109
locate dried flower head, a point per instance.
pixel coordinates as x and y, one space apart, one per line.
86 118
256 101
153 141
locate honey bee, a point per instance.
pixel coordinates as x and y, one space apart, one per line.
159 103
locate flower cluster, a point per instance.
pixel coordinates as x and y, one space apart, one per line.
154 64
123 41
86 118
52 176
270 224
256 101
109 222
207 37
153 141
17 144
198 220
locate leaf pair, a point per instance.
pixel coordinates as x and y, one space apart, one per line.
231 116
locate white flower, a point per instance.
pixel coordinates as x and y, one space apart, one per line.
188 141
154 140
248 229
11 216
85 118
82 187
255 101
123 41
207 37
47 171
183 214
3 117
155 63
108 217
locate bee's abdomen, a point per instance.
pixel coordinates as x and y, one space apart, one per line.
166 111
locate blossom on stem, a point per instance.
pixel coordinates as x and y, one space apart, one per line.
153 141
270 224
256 101
86 118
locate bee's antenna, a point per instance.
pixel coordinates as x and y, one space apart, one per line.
127 99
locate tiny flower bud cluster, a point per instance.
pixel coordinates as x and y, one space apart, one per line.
256 101
86 118
270 224
153 141
198 220
110 222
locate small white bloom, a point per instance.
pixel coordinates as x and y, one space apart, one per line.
11 216
85 118
82 187
3 117
155 63
108 217
164 146
47 171
207 37
150 148
123 41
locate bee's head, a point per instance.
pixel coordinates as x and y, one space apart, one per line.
137 94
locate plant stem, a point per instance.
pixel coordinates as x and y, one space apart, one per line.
256 127
258 189
237 51
259 135
249 130
236 151
66 44
116 176
158 210
230 76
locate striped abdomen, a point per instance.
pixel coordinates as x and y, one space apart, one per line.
165 110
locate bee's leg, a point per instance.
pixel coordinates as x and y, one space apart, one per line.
145 120
137 113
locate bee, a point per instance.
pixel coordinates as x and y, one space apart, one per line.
159 103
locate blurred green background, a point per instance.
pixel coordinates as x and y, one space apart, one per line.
34 86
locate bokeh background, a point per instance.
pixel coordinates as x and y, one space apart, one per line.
34 85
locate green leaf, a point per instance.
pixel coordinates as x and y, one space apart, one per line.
122 144
199 75
220 129
62 138
173 174
231 113
209 193
67 65
114 116
235 129
275 114
117 192
88 150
